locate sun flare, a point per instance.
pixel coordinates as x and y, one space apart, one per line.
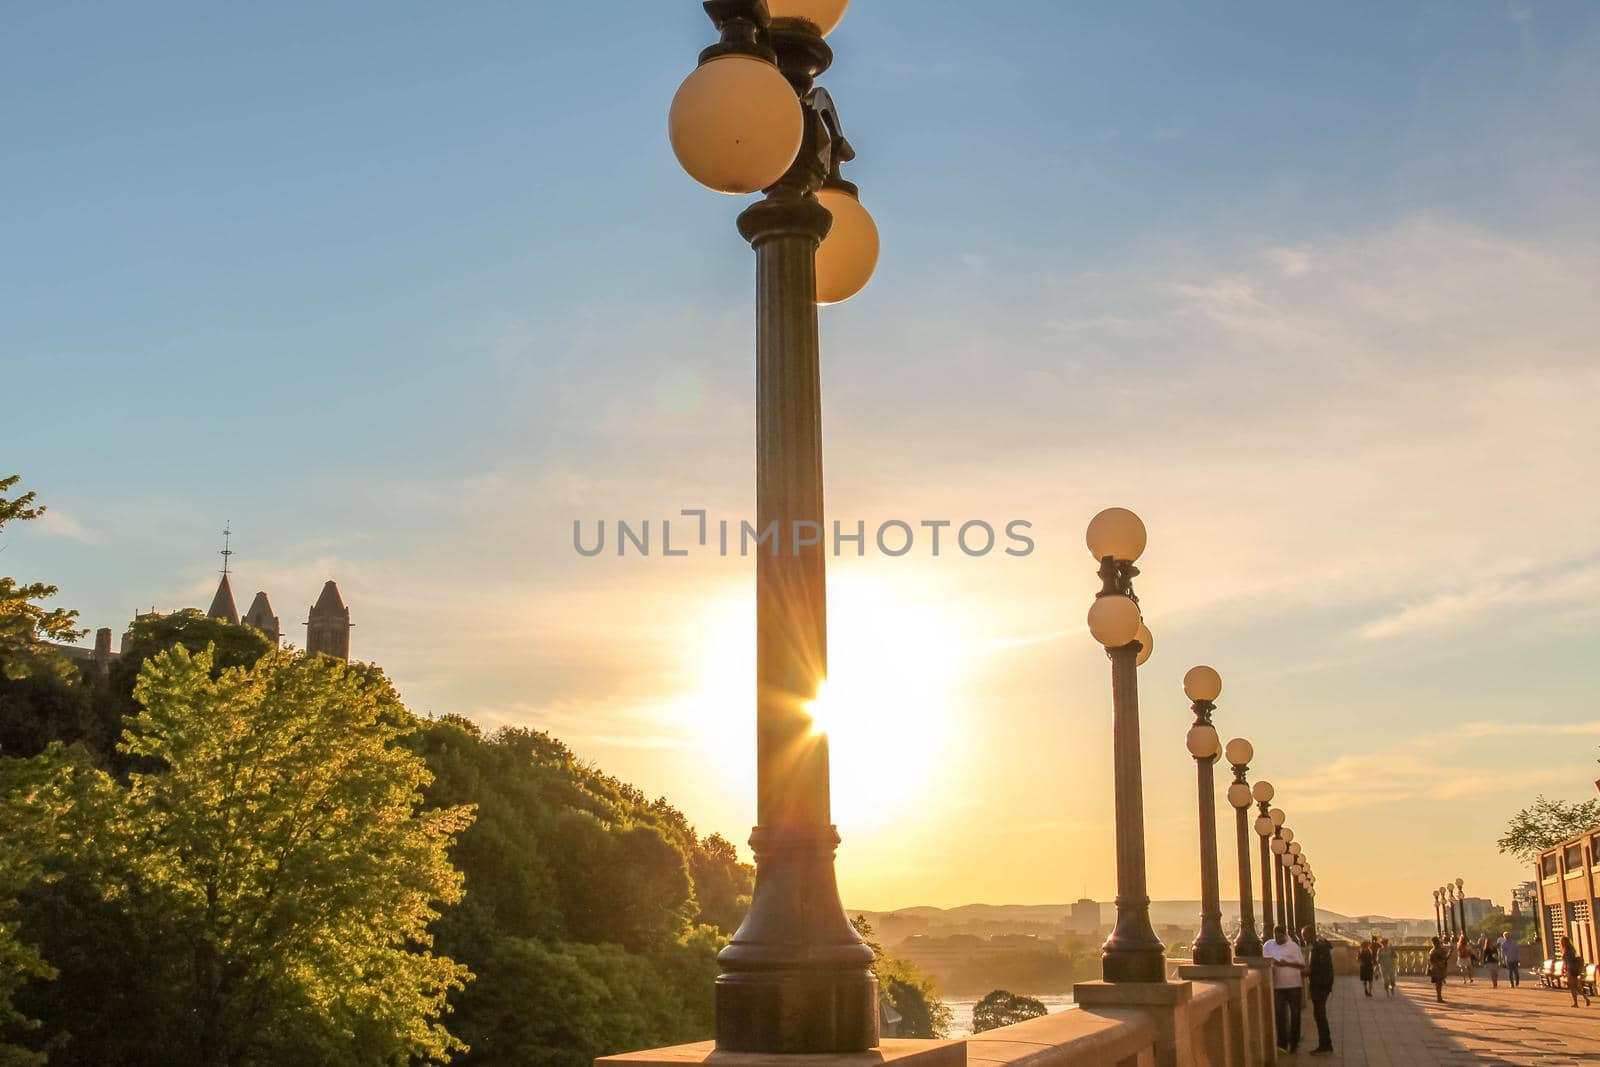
889 706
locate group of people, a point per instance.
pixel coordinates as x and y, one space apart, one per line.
1294 972
1291 971
1468 956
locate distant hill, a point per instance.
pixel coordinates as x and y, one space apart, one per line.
976 918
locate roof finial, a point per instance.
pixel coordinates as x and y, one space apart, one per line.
227 534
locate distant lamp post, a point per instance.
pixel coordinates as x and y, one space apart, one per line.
1263 793
1239 753
1461 902
1280 848
1202 685
795 978
1438 914
1116 538
1296 904
1286 887
1450 910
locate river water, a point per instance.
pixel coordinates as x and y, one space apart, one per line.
961 1010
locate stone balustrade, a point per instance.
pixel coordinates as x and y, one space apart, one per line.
1210 1017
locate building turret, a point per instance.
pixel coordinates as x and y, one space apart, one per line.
222 606
328 626
261 617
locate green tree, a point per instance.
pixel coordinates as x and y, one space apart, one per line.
914 996
1002 1008
1545 823
277 859
26 626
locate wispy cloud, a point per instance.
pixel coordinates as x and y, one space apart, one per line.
57 523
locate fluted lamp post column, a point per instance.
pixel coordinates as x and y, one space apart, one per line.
1116 537
1296 901
1438 922
1450 911
1239 753
1262 792
1202 685
795 978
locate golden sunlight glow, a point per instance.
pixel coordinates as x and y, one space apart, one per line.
890 705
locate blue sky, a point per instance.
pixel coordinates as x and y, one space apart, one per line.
401 290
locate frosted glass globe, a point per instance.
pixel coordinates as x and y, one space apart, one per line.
1263 791
1286 859
823 14
736 124
1264 826
1240 751
1147 644
1277 816
1296 848
1239 795
1202 742
1279 846
849 254
1458 883
1202 684
1287 834
1118 533
1114 620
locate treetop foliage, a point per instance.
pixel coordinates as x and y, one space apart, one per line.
1545 823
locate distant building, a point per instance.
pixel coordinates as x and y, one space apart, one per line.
1525 899
327 625
1476 909
1085 918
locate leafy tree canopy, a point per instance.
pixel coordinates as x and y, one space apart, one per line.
25 625
1545 823
1002 1008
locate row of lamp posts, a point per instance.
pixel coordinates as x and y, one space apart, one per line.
795 977
1450 909
1116 538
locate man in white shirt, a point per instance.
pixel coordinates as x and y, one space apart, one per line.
1288 969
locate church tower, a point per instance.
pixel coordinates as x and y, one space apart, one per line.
261 617
222 606
328 626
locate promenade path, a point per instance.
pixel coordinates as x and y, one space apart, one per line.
1477 1024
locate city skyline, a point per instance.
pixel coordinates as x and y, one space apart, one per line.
1313 295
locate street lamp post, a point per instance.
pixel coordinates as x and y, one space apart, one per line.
1202 685
1438 915
1239 754
1262 792
1116 537
1450 910
1461 901
1280 848
795 978
1285 872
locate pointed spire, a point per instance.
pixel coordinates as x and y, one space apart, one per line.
261 617
330 601
222 606
328 625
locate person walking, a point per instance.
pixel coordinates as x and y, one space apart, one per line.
1365 963
1491 961
1572 964
1288 970
1438 966
1464 958
1511 956
1320 975
1389 964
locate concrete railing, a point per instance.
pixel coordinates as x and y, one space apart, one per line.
1210 1017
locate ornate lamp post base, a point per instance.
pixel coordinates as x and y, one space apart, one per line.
796 977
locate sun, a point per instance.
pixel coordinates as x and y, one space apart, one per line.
890 704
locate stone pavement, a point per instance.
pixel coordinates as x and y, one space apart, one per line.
1476 1024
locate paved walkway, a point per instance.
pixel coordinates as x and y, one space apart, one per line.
1476 1024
